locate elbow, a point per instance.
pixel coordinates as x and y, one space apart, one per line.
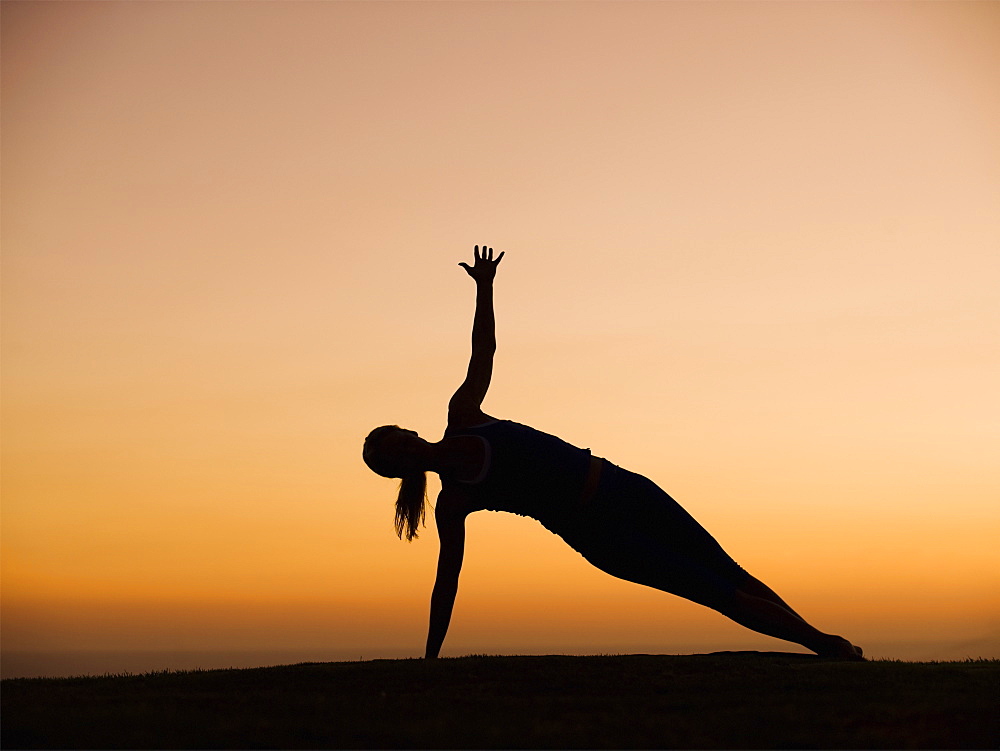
485 344
446 586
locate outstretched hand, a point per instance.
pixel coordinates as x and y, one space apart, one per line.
485 268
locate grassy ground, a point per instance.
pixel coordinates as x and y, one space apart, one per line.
727 700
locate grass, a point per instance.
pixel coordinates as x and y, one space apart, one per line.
724 700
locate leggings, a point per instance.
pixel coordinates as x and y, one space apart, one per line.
633 530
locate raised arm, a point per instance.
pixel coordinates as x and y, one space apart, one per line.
464 407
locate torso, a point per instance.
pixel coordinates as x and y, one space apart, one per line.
469 455
502 465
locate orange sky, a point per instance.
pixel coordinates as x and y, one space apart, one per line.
752 253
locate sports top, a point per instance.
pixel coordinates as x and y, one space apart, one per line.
527 472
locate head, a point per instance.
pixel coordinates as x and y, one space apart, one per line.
392 451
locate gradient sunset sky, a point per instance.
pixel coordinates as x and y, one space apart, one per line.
753 252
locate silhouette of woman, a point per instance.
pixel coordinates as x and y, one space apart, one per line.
621 522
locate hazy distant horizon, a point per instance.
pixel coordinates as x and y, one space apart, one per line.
68 663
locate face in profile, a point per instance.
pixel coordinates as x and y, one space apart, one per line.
392 451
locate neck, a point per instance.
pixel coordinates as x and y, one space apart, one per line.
452 456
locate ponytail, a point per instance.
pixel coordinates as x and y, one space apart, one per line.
410 505
412 490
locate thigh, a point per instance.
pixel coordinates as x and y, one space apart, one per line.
636 556
641 534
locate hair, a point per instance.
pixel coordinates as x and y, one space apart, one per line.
412 497
410 509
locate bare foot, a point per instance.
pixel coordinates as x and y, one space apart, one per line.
841 649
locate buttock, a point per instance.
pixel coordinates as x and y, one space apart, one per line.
634 530
625 499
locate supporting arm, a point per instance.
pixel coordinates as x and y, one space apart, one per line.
451 533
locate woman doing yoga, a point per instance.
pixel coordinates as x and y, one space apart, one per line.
621 522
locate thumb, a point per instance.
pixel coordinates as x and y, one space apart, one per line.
464 266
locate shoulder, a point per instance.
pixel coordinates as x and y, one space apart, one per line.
454 503
459 419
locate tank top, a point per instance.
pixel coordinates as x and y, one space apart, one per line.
527 472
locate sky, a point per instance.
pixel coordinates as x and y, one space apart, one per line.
751 253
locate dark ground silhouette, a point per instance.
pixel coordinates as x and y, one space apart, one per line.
728 700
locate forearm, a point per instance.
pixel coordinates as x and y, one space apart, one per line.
442 603
484 336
